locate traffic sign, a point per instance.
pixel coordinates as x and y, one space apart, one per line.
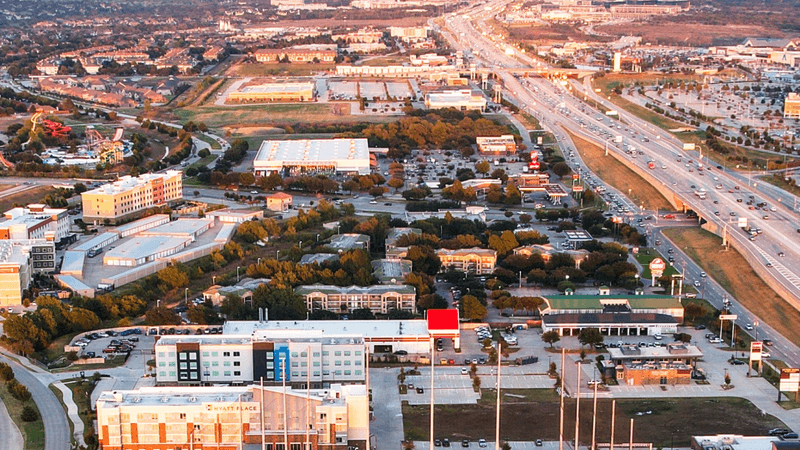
728 317
657 264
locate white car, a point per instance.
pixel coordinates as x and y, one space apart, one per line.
765 355
373 202
464 371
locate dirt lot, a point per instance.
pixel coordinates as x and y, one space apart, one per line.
538 418
616 174
734 274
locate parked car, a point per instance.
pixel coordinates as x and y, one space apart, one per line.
465 443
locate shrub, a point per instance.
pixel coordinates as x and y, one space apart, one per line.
29 414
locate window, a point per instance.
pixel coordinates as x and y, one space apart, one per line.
294 364
235 353
226 373
347 372
337 353
303 354
325 353
295 374
358 372
338 373
294 354
162 364
347 362
171 354
226 354
215 373
337 363
358 352
215 363
316 373
357 362
161 354
237 364
226 364
236 373
205 354
214 354
316 354
346 353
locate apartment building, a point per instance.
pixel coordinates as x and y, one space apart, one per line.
380 299
275 55
232 418
476 260
35 221
310 356
129 196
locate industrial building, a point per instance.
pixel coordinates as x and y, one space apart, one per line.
380 299
130 196
35 221
318 258
613 315
274 92
181 228
235 215
144 249
462 99
504 145
476 260
233 418
317 156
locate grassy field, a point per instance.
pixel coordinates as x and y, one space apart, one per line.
667 418
781 183
607 83
268 115
213 142
648 254
736 276
34 195
616 174
32 432
265 70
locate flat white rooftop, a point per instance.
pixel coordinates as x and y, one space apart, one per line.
127 183
146 246
366 328
73 262
180 227
269 88
345 155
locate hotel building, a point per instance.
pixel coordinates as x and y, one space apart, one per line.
233 418
129 196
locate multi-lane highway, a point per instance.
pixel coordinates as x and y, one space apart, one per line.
568 105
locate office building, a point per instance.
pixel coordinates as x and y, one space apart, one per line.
233 418
476 260
791 106
130 196
739 442
497 145
279 202
237 358
317 156
633 365
380 299
35 221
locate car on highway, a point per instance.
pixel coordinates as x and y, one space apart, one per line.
781 254
749 326
767 341
765 354
696 283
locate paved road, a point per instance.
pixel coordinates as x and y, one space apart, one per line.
56 428
11 437
388 423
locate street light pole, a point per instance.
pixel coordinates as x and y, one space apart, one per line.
185 295
237 273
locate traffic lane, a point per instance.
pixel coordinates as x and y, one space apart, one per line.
56 428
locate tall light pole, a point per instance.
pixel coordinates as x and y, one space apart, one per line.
317 237
497 420
237 273
185 295
213 279
258 262
433 356
577 404
277 255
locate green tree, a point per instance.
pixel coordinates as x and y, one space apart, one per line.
551 337
396 183
693 311
561 169
472 308
590 336
482 167
173 277
162 315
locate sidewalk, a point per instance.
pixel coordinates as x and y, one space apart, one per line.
12 438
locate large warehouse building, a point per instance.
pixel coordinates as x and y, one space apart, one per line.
317 156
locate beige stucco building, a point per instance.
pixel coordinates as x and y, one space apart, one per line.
129 196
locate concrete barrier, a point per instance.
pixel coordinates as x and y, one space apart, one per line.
82 361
